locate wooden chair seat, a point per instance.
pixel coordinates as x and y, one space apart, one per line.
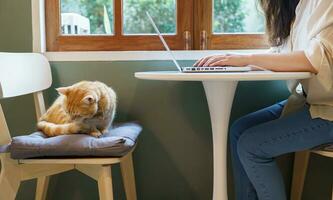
73 160
99 161
324 153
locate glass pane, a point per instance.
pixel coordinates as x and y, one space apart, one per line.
162 11
237 16
86 17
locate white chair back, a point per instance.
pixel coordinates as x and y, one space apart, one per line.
23 73
20 74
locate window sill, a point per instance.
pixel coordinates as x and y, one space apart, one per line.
138 55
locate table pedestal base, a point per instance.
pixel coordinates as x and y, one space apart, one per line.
220 95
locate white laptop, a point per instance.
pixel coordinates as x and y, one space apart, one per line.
195 69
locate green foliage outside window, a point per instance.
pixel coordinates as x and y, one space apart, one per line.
162 11
229 15
135 19
232 16
93 10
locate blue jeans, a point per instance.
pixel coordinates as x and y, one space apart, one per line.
258 138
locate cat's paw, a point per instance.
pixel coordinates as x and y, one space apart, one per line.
96 134
105 131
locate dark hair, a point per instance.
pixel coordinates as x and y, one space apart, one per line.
280 15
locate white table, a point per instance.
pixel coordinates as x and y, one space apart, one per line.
220 89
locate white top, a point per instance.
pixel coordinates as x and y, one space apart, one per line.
312 32
226 76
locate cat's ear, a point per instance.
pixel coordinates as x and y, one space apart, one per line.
63 90
89 99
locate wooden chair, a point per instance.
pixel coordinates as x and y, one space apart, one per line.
29 73
300 167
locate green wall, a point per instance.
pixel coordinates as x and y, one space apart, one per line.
173 159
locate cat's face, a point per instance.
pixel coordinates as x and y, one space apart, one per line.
79 103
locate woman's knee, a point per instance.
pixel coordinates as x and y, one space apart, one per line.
251 147
237 128
245 145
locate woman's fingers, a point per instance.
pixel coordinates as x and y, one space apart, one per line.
209 60
197 63
203 62
200 62
213 60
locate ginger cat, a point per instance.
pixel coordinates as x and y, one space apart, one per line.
85 107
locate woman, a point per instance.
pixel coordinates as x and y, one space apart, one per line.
301 33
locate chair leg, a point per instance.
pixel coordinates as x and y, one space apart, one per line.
9 187
300 167
42 185
127 172
9 178
105 183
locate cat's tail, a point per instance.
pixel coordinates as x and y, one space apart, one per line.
51 129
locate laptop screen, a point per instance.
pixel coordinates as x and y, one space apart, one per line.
164 42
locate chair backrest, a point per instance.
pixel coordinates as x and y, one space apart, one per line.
20 74
23 73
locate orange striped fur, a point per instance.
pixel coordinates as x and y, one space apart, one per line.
85 107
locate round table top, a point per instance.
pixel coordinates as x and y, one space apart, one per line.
225 76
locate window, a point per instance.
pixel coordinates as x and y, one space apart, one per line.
237 17
83 17
229 24
84 25
135 19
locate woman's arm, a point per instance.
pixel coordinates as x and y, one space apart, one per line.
285 62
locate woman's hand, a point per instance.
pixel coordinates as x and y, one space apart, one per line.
283 62
223 60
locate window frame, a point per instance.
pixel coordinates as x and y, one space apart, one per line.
118 41
198 18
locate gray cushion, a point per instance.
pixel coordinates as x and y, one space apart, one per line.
116 143
4 148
